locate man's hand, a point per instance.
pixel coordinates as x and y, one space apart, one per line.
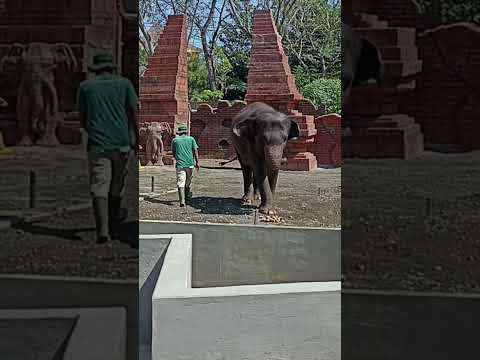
197 166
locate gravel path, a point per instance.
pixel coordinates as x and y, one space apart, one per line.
302 199
61 244
389 240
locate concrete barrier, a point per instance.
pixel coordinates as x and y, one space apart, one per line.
322 249
151 255
237 294
44 293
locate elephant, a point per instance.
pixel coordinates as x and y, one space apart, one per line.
153 134
361 61
259 135
37 98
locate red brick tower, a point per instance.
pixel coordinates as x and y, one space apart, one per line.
163 87
380 128
270 80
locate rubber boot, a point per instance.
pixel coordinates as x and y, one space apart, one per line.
116 211
188 193
181 196
100 209
117 215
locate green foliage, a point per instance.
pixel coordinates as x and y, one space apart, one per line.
325 91
197 75
302 77
207 96
312 37
142 57
451 10
223 70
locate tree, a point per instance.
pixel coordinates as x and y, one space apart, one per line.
310 30
205 20
450 11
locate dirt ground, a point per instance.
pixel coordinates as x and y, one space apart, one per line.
302 198
60 244
390 238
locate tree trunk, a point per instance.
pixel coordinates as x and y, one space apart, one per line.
208 56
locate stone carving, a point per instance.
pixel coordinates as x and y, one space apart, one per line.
153 134
37 98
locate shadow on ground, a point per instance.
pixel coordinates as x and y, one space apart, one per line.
124 232
36 229
220 206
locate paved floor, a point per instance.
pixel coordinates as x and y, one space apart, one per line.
378 327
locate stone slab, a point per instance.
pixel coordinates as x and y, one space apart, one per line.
92 333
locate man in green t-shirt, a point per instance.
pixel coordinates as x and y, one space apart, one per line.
108 105
185 152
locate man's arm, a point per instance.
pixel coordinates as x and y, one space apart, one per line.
81 106
195 154
132 113
133 125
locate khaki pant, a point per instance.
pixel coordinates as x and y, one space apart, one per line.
184 177
108 173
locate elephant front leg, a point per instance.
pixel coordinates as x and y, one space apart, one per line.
161 152
247 184
24 120
272 180
265 192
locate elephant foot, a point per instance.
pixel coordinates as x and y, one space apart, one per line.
257 197
25 141
267 210
247 200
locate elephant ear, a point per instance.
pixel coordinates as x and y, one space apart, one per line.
245 128
294 131
369 65
15 55
64 55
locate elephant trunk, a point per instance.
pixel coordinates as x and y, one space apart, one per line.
273 156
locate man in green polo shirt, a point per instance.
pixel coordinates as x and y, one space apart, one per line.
185 152
107 105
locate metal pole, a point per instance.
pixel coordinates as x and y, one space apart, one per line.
33 185
153 184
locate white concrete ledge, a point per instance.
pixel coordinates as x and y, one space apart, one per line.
289 320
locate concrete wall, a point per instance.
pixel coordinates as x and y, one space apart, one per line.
47 292
151 255
298 320
274 254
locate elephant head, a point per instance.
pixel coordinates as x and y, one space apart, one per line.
37 98
267 132
361 61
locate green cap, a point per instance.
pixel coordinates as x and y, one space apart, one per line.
102 61
182 129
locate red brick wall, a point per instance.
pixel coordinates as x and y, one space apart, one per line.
404 13
328 141
451 77
211 128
